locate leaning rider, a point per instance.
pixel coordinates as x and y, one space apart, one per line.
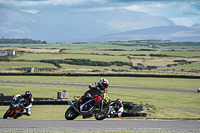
118 107
95 91
29 102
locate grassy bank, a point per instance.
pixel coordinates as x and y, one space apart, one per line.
57 112
170 83
156 99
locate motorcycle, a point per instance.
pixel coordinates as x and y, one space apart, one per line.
114 111
16 108
89 108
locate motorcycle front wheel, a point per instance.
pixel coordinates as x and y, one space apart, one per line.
7 114
102 114
71 114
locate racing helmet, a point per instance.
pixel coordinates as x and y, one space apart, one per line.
15 97
28 94
118 101
104 83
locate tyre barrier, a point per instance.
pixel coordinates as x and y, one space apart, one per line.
9 98
39 103
125 114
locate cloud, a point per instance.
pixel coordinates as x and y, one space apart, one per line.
186 21
33 11
182 13
125 1
17 3
185 12
164 8
33 3
6 30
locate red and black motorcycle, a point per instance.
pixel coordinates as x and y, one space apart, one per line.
88 109
16 108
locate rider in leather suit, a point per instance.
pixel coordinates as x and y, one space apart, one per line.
118 107
28 97
95 91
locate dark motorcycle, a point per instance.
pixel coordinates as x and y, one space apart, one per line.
16 108
100 110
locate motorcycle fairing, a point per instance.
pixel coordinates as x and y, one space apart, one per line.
88 112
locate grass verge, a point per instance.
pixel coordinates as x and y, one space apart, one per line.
158 99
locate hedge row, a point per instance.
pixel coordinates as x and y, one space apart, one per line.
85 62
101 74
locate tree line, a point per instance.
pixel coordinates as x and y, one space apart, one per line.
85 62
21 41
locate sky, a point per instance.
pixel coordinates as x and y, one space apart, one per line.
181 12
168 12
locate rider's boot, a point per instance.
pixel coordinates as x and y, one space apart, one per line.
25 113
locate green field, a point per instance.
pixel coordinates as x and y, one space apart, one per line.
122 45
74 56
170 83
157 98
189 67
108 52
107 56
181 53
4 65
142 61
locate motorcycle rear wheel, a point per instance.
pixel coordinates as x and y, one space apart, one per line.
6 115
102 114
71 114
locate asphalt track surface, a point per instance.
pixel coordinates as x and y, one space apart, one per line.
19 125
111 86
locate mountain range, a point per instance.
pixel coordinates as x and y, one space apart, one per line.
173 33
61 25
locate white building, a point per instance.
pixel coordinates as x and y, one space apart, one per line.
7 52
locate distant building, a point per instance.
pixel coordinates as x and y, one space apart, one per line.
30 69
7 52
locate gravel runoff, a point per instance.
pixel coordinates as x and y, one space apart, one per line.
181 126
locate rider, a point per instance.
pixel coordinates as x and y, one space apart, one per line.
95 91
28 97
118 107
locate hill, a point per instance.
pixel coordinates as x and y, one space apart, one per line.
173 33
57 24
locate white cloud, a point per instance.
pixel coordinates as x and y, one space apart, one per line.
7 30
186 21
25 3
182 13
16 3
33 11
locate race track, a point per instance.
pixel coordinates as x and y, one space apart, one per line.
19 125
111 86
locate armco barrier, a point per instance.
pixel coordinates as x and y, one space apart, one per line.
3 103
9 98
